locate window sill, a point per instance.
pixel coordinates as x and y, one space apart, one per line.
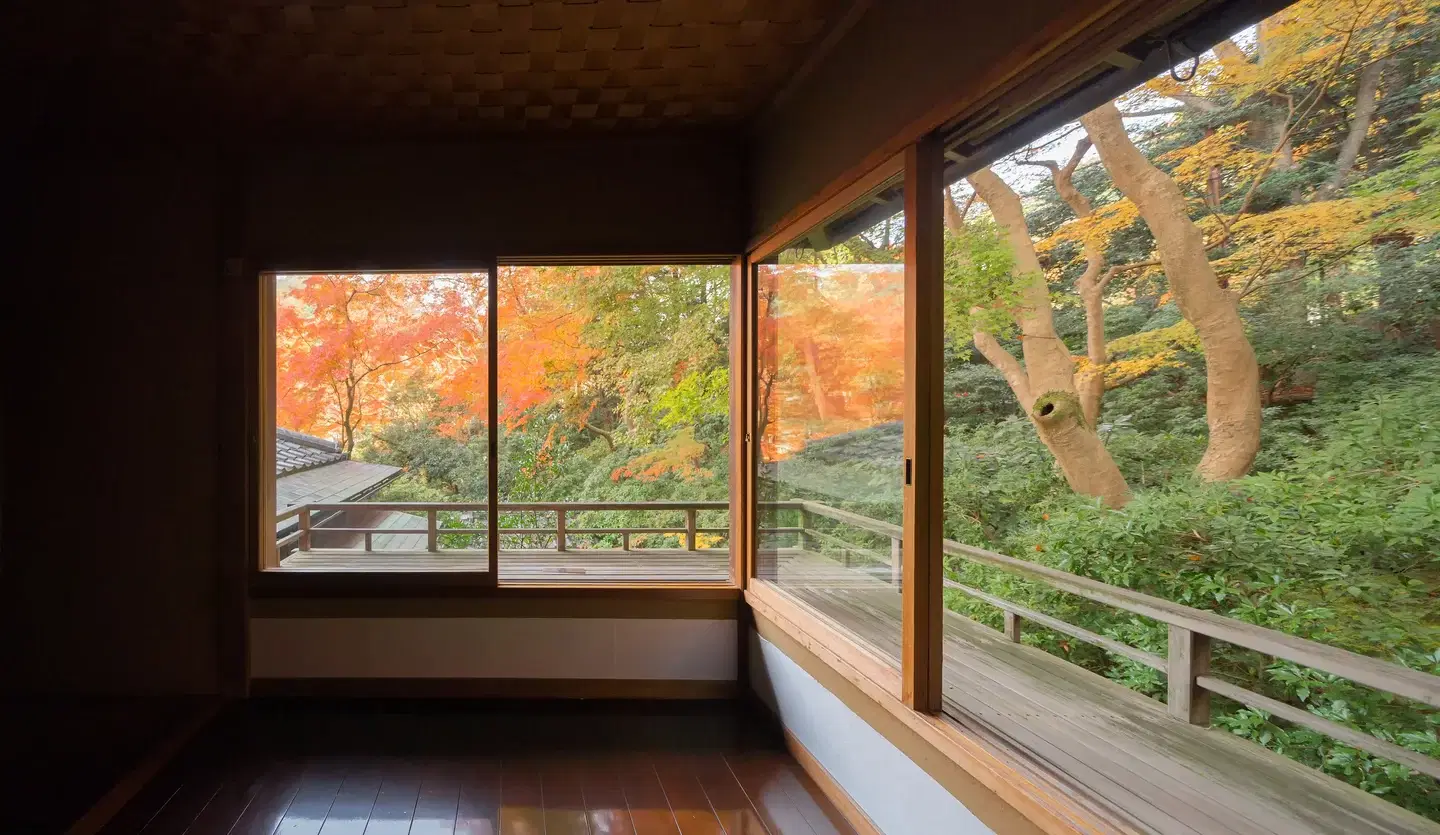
997 783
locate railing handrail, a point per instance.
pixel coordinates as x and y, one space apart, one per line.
561 532
1374 672
514 507
1187 664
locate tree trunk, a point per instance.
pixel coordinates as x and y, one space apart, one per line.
817 385
1367 96
1045 385
1090 381
1232 401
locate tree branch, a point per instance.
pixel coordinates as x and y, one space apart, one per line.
1159 111
1009 367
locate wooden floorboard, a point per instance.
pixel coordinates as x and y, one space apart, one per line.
578 565
483 768
1097 736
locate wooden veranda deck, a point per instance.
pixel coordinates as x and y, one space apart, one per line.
1096 737
576 565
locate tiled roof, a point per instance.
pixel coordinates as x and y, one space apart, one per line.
310 470
295 452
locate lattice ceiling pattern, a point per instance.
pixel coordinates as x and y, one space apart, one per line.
501 64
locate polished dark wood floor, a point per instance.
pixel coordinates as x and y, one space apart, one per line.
467 768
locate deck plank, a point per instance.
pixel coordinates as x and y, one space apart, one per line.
1098 736
578 565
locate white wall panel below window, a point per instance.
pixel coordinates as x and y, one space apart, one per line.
894 792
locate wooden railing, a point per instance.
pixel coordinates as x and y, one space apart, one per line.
310 516
1191 631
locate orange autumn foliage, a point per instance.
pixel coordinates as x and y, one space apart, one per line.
343 341
832 349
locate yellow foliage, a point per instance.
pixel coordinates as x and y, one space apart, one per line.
1095 229
1138 354
1301 43
1303 232
1224 149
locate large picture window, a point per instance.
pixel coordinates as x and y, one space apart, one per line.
1183 336
611 420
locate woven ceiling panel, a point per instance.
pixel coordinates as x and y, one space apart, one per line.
458 66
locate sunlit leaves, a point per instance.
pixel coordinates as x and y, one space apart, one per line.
1096 230
982 291
344 341
1224 151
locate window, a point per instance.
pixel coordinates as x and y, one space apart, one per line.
830 416
380 421
1183 336
611 422
614 423
1189 362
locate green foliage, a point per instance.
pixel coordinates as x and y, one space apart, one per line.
1338 543
1419 174
980 283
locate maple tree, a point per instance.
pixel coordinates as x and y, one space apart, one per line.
343 341
1225 210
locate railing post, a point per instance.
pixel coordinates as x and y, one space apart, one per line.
690 529
1013 626
895 561
369 542
432 534
625 541
1189 657
305 528
807 542
559 529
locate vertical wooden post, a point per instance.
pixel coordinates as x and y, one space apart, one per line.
690 529
807 542
492 422
263 432
305 528
1189 657
432 533
896 561
369 542
1013 626
625 541
560 529
922 565
742 455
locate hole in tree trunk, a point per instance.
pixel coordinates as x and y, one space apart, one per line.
1047 409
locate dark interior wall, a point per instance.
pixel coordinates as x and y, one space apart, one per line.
901 61
120 433
398 205
109 574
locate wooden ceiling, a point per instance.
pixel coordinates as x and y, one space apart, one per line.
456 66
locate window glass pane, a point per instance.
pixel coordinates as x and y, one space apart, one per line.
614 404
381 398
830 409
1192 352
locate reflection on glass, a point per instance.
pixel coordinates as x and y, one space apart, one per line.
830 408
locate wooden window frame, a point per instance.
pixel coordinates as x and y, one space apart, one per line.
919 166
265 580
